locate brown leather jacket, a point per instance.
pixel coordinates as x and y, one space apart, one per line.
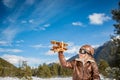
86 71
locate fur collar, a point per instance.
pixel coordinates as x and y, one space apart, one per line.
91 60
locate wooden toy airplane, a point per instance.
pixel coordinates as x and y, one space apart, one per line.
58 46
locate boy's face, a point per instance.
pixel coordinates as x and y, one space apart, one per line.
82 52
82 55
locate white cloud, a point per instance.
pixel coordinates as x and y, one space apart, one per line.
96 46
70 43
77 24
10 50
9 3
16 60
27 21
46 25
12 58
9 33
98 18
38 46
23 21
3 43
50 53
20 41
41 27
72 48
31 21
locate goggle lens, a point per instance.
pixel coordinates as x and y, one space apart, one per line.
82 51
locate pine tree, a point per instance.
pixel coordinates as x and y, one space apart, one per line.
34 71
116 37
54 69
47 72
24 71
44 71
103 65
116 40
40 71
28 73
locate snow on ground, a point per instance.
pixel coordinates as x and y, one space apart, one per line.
67 78
57 78
8 78
35 78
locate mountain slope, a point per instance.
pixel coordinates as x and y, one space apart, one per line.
7 69
4 63
106 52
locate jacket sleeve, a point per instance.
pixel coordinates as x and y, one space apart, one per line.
95 71
63 61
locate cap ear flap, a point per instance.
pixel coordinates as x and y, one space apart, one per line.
92 51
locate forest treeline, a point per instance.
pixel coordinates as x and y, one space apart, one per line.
46 70
42 71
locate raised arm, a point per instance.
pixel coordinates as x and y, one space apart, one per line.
63 61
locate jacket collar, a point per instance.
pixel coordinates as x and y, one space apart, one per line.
88 60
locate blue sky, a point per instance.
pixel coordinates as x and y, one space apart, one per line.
28 26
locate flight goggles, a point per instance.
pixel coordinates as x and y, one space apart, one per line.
83 51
